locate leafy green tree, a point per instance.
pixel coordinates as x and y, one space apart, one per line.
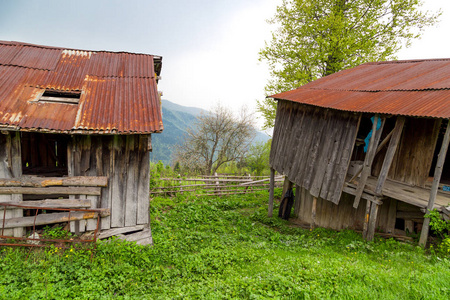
258 157
316 38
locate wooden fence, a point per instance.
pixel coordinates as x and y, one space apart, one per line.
214 185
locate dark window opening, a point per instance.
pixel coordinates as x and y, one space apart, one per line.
445 177
66 97
44 154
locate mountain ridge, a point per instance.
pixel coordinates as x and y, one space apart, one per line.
176 118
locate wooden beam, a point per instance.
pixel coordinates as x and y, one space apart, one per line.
368 160
70 190
271 191
382 144
372 221
51 203
393 144
392 216
34 181
434 188
366 218
117 231
44 219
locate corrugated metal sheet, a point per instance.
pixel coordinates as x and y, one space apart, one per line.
413 88
118 90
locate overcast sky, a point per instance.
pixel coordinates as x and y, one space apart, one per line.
209 47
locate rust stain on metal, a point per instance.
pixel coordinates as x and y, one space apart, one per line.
118 90
412 88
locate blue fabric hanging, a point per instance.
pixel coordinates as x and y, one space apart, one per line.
367 139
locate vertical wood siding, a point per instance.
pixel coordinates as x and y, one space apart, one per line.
10 167
125 161
312 146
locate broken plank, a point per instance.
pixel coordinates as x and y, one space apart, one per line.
119 231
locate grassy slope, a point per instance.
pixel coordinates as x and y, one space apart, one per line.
226 248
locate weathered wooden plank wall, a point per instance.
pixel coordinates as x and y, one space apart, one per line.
10 167
125 161
342 216
414 156
312 146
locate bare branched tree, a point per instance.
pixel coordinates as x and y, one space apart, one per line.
217 137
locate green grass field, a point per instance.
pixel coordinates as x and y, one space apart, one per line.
227 248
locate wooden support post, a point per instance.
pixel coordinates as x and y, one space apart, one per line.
366 218
372 220
313 213
434 188
368 160
393 144
380 146
392 216
271 191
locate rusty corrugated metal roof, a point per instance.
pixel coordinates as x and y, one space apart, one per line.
413 88
118 90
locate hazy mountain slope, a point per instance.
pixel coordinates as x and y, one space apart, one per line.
176 119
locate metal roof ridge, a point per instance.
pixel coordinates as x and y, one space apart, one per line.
16 43
404 61
373 91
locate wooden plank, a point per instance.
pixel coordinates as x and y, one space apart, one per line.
44 219
51 203
16 168
108 169
368 160
345 158
117 187
34 181
93 201
134 237
116 231
330 176
81 223
143 189
392 216
271 192
325 155
132 143
372 221
72 190
366 218
5 172
435 186
409 215
397 132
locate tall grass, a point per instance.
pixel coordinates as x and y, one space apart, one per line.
227 248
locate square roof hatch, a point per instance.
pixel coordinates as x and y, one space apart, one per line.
66 97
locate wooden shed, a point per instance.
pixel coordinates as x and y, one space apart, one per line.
366 147
76 131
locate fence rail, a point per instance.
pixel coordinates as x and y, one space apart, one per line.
214 185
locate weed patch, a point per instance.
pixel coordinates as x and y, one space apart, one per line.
227 248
